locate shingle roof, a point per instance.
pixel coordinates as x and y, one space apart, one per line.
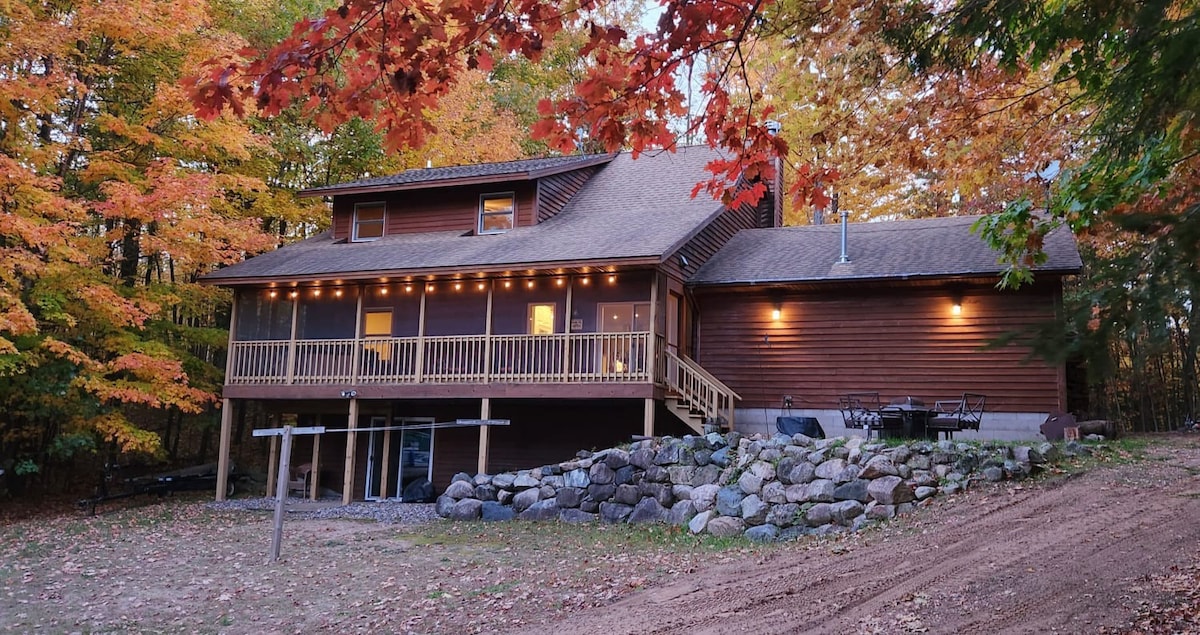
880 250
628 210
433 177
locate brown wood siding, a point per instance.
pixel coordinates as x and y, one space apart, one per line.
895 341
709 240
554 192
433 210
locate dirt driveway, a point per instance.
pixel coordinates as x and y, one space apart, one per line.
1082 554
1111 550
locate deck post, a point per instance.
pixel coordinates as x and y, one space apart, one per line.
351 446
223 449
420 364
487 339
567 330
356 352
291 358
385 474
648 418
652 345
314 481
485 412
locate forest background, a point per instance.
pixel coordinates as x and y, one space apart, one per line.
146 142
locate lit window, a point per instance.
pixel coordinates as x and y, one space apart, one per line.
541 319
496 213
368 221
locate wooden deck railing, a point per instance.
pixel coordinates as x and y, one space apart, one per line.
565 358
703 392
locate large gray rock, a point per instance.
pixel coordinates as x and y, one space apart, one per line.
762 533
466 509
1026 454
525 480
681 512
706 475
924 492
796 493
658 491
890 490
525 499
726 526
546 491
783 468
754 510
647 511
601 492
601 474
614 512
802 473
541 510
681 474
669 454
705 497
750 483
627 495
920 462
774 492
616 458
495 512
576 516
993 474
504 481
784 515
460 489
831 469
577 478
482 479
642 458
443 505
844 512
485 492
764 470
879 465
625 475
699 522
819 514
720 458
504 496
881 512
820 491
854 490
682 492
462 476
729 501
569 497
923 478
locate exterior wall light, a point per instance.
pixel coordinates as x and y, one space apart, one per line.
612 278
272 293
776 313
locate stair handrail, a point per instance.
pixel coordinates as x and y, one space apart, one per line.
698 386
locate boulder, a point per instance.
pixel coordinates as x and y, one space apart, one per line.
784 515
762 533
614 512
820 491
705 497
627 495
706 475
504 496
669 454
729 501
725 526
879 465
647 510
657 474
699 522
616 458
444 505
525 480
720 458
681 512
993 474
881 512
802 473
774 492
525 499
844 512
504 481
642 458
754 510
541 510
819 514
625 475
681 474
658 491
796 493
890 490
460 489
854 490
601 474
492 511
763 470
601 492
831 469
577 478
924 492
569 497
466 509
485 492
576 516
1026 454
462 476
750 483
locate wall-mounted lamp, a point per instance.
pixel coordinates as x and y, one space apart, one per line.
272 293
777 310
956 302
787 402
349 394
612 278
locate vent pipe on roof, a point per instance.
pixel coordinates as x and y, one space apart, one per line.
845 258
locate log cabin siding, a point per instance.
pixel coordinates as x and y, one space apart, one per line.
555 191
434 210
897 342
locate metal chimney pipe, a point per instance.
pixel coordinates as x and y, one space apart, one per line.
845 258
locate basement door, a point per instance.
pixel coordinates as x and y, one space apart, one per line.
397 456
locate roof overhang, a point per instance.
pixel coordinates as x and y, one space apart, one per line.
524 175
924 279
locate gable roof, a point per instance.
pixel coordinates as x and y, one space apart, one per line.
522 170
924 248
630 211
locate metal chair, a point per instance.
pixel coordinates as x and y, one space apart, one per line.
957 415
861 410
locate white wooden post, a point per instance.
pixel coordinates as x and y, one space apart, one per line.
566 372
485 413
314 483
421 338
223 448
351 446
356 352
487 340
281 488
291 358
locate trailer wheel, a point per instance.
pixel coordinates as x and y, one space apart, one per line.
230 489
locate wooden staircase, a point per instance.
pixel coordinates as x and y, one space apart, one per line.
695 396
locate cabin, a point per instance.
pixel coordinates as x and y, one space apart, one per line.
586 299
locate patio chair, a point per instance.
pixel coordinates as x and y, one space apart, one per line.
861 410
957 415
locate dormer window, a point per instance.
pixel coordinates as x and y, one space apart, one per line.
496 213
368 221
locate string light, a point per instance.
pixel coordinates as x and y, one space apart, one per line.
429 288
293 294
585 281
612 278
508 284
481 286
316 293
529 284
408 288
338 292
272 293
383 290
559 282
458 286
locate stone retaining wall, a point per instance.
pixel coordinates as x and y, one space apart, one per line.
725 485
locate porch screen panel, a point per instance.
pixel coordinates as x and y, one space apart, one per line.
261 317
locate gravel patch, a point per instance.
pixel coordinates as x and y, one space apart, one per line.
383 512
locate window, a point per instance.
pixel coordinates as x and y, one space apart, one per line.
541 319
496 213
368 221
378 324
